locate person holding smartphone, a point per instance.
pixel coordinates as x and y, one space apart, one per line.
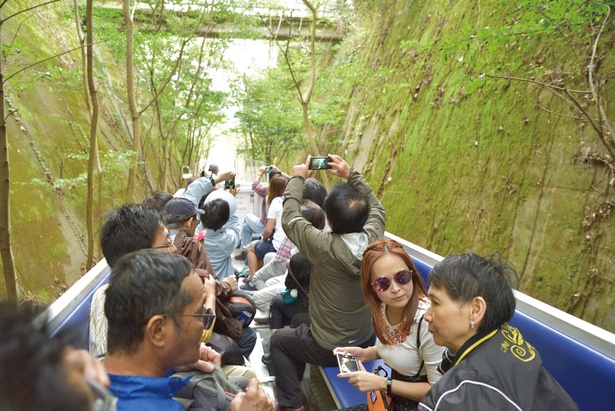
394 291
338 315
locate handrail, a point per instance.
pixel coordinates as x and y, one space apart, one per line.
586 333
57 312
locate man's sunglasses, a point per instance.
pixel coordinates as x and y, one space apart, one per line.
402 277
208 316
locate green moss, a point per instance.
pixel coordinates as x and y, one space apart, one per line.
46 132
463 162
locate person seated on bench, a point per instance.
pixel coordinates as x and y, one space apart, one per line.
393 290
255 225
181 220
155 307
157 200
265 278
222 230
295 299
338 314
130 228
494 367
273 234
135 227
270 279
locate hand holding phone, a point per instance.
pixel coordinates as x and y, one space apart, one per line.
319 163
347 362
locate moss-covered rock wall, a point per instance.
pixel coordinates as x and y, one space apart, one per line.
48 135
462 161
500 167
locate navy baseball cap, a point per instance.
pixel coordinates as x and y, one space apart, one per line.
180 209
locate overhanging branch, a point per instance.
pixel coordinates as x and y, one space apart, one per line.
25 10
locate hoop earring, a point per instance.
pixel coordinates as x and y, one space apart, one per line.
472 324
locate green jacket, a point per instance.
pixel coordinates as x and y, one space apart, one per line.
338 314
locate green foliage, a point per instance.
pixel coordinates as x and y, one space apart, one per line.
109 30
468 159
189 106
178 123
530 24
269 115
331 97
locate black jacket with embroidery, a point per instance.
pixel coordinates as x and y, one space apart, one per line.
497 370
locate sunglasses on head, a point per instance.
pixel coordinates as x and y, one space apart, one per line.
401 277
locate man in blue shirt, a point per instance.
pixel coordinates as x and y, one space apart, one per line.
155 309
222 225
153 305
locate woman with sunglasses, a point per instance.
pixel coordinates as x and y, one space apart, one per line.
394 291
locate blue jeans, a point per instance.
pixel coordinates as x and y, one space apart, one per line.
251 226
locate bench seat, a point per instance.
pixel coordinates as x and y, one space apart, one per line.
587 375
345 394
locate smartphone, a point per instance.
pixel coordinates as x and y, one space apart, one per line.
347 363
319 163
230 183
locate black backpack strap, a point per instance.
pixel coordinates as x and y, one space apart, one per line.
418 345
418 332
306 293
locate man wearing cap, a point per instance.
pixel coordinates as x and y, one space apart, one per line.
181 220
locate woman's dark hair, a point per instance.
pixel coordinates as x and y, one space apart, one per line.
272 174
347 209
157 200
217 213
277 185
313 213
466 276
375 251
315 191
143 284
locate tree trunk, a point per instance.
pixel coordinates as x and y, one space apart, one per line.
8 263
84 77
93 158
305 98
132 103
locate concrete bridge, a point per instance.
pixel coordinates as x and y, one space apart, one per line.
282 22
277 27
